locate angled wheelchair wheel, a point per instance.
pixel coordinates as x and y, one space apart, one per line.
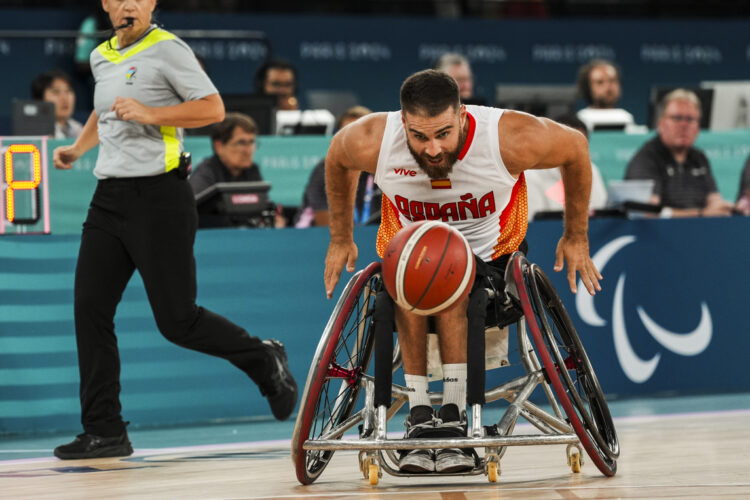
567 365
333 382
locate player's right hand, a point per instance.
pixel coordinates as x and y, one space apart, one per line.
339 254
64 156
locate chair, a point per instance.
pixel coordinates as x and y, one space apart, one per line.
343 392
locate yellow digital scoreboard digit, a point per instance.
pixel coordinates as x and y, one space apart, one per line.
25 195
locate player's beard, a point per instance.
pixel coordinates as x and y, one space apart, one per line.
448 158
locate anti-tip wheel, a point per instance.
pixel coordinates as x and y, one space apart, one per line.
374 474
574 460
493 471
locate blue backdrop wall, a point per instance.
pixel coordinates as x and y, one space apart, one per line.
372 55
671 318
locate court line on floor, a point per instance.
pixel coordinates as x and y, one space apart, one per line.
498 488
286 443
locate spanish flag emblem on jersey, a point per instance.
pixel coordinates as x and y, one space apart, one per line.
440 183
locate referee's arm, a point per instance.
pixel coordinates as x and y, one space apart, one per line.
64 156
188 114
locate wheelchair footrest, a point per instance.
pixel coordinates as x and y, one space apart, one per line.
427 444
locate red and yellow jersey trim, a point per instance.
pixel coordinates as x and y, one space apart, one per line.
389 225
514 220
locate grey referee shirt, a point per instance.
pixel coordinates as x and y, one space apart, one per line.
157 70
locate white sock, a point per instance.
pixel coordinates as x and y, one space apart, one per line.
454 385
417 387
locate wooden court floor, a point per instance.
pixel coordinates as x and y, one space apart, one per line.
701 455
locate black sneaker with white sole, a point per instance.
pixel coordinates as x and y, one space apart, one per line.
419 422
279 387
91 446
452 423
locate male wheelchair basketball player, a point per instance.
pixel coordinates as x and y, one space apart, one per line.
344 392
438 159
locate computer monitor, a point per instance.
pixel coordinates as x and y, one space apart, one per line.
33 117
731 104
540 100
234 204
260 107
307 122
706 97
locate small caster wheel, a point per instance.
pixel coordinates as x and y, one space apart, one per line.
493 471
373 473
575 462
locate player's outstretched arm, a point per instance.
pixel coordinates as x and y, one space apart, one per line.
353 149
527 143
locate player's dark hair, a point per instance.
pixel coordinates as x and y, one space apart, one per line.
429 93
44 81
584 77
224 130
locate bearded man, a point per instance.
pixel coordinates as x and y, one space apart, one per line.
437 159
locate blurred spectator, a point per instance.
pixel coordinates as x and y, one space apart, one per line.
278 77
234 144
55 86
88 38
459 68
599 85
314 209
683 182
743 196
544 187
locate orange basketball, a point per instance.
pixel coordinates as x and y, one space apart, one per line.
428 266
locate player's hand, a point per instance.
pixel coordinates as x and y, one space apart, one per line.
339 254
64 156
575 251
128 109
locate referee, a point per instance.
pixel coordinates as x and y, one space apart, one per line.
149 86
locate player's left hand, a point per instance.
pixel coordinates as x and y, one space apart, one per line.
129 109
575 251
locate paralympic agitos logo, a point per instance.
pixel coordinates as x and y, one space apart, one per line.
637 369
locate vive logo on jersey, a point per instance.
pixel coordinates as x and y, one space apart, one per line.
405 172
637 369
130 75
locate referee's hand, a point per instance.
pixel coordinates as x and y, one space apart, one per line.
128 109
64 156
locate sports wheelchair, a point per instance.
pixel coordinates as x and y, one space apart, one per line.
553 358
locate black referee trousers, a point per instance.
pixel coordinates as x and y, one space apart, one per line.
148 224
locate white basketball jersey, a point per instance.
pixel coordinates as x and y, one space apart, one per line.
479 197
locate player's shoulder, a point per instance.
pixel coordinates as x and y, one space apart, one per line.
518 122
365 132
360 140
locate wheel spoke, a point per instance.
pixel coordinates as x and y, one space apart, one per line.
338 372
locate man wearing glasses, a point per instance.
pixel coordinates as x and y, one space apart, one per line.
683 183
234 144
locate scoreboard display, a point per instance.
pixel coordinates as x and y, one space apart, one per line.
24 208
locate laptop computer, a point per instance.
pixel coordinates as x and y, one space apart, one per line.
32 117
633 190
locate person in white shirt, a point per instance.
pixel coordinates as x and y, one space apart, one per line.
545 190
599 85
55 86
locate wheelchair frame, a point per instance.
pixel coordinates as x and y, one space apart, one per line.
556 361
